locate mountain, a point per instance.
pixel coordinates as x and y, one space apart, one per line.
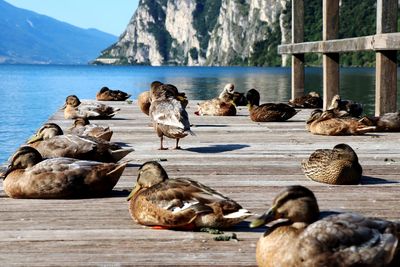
230 32
31 38
198 32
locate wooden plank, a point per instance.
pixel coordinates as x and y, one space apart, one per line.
247 161
297 78
386 61
330 61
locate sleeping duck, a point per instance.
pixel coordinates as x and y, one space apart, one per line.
333 166
106 94
223 105
388 122
297 236
83 127
180 203
327 123
51 143
29 176
167 111
74 109
268 111
311 100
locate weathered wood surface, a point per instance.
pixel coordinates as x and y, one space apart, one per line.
247 161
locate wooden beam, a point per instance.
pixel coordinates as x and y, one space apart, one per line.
386 64
297 37
378 42
330 61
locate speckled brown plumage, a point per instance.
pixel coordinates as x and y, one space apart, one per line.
29 176
74 109
300 238
311 100
83 127
144 102
216 107
106 94
388 122
327 123
333 166
353 108
157 200
51 143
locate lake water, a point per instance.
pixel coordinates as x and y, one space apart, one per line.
31 93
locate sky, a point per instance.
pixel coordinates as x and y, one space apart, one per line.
111 16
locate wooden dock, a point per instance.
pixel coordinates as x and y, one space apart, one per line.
247 161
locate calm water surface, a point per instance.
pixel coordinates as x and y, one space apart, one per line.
31 93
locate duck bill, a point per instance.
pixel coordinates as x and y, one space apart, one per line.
4 174
264 219
34 139
133 192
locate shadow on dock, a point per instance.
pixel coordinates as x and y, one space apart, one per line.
365 180
217 148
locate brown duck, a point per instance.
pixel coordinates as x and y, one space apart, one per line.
83 127
223 105
388 122
179 203
353 108
268 111
168 114
29 176
74 109
333 166
106 94
311 100
327 123
51 143
296 236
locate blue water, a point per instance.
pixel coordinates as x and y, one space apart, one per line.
31 93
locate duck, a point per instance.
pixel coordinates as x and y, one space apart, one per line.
299 235
31 176
168 115
326 123
74 109
157 90
83 127
229 94
311 100
269 111
144 102
338 166
388 122
51 142
353 108
180 203
106 94
223 105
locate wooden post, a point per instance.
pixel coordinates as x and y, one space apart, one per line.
386 63
297 59
330 62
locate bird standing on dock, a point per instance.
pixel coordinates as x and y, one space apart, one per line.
268 111
327 123
333 166
180 203
106 94
29 176
74 109
167 111
223 105
83 127
311 100
144 98
51 143
297 236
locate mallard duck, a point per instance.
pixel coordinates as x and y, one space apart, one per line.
296 236
74 109
388 122
268 111
228 94
223 105
143 102
106 94
51 143
333 166
83 127
168 114
353 108
326 123
29 176
180 203
311 100
157 91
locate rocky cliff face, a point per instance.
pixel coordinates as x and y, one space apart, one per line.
198 32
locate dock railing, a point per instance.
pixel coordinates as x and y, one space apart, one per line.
385 43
